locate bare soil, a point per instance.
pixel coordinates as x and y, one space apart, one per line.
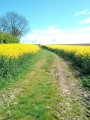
74 96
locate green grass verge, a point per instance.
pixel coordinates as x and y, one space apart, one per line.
39 99
21 70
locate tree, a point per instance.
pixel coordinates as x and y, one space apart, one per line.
14 24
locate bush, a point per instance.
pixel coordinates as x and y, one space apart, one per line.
8 38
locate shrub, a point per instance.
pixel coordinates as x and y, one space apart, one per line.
8 38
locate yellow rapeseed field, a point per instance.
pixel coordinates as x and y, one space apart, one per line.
16 50
78 50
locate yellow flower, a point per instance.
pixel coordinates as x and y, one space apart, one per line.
78 50
16 50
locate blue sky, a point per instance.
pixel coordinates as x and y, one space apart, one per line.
53 21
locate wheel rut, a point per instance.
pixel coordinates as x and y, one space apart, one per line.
70 90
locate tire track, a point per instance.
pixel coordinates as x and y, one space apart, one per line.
73 107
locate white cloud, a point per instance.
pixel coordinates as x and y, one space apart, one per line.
57 36
50 30
85 21
85 29
39 36
84 12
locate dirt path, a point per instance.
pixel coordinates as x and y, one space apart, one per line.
34 97
70 90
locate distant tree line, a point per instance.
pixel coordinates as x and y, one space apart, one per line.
12 27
